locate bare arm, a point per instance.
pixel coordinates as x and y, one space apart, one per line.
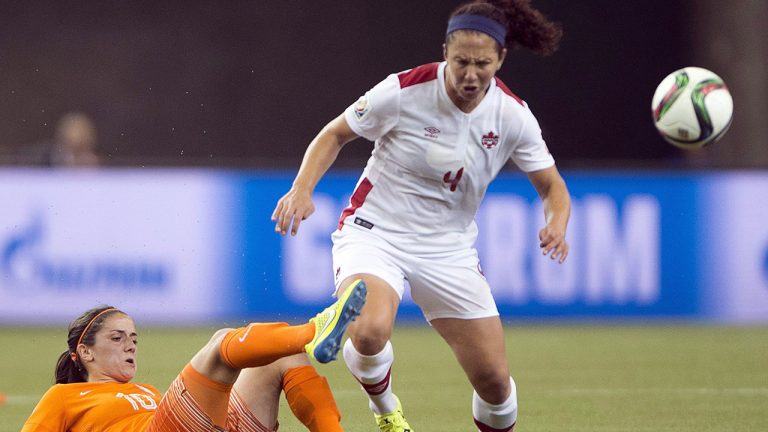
296 205
557 210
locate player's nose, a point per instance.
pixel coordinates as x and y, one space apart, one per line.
470 74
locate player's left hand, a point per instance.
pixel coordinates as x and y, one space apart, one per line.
552 242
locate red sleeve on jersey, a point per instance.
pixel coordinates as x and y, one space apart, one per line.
418 75
500 84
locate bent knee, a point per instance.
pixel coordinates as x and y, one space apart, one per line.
370 341
292 361
493 387
218 336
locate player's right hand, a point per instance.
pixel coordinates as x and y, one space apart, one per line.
291 209
552 242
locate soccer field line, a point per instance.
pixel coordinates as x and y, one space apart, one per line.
22 399
740 391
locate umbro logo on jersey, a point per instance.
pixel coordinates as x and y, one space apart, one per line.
490 140
431 132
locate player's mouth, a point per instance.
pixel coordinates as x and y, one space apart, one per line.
470 90
131 361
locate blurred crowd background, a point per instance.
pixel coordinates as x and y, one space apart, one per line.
248 84
200 112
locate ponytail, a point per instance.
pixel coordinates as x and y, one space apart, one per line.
525 25
68 371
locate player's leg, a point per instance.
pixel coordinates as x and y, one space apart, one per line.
369 355
457 301
256 395
211 373
479 347
203 389
310 399
368 352
261 344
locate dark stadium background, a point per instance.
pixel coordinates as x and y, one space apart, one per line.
248 84
231 92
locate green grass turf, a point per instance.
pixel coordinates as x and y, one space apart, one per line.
570 378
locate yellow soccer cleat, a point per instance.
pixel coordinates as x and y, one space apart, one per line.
331 323
394 421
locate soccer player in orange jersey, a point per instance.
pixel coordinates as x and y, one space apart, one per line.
232 384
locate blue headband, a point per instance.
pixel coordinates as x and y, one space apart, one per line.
478 23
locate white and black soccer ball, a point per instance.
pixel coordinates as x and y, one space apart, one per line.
692 107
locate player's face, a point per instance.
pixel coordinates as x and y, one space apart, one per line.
112 357
472 62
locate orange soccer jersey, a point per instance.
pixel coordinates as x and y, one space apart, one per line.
89 407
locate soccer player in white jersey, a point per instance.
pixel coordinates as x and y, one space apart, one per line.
442 133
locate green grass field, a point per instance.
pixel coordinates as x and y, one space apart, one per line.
570 378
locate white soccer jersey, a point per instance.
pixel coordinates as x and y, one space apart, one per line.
432 163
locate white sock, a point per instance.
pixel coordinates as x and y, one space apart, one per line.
501 417
374 374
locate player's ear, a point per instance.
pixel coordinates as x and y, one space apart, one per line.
445 52
84 353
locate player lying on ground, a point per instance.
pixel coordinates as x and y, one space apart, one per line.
233 383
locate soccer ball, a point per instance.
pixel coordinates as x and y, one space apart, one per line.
692 107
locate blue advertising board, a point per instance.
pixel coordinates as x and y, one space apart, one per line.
195 245
625 233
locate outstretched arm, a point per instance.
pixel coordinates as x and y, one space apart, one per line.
557 209
296 205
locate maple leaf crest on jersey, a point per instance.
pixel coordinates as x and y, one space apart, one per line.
490 140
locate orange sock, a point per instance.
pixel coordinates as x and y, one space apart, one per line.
311 400
261 344
212 396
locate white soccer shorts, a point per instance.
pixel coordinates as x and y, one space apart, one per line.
444 285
